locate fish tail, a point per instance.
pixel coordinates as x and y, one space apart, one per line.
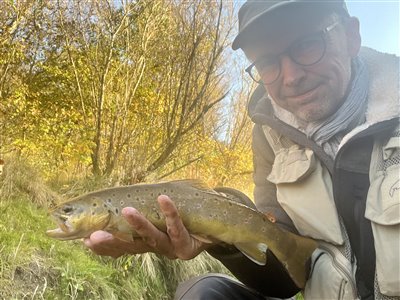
296 260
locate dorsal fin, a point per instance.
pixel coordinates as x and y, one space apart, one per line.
195 183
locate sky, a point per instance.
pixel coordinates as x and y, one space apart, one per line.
379 23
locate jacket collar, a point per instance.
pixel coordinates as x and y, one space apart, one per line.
384 90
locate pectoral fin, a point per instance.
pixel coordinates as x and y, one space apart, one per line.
201 238
127 237
256 252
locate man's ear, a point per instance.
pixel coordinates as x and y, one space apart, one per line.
353 36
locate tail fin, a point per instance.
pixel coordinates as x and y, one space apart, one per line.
296 260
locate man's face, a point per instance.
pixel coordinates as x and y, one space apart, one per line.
312 92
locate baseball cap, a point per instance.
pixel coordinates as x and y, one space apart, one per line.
254 12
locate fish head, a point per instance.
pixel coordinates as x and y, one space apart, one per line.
79 218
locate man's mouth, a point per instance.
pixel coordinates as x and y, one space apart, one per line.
304 98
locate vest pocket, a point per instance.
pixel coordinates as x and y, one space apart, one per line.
304 190
331 277
383 209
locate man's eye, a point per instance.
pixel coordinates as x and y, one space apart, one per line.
307 45
265 63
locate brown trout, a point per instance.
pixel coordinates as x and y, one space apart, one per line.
208 215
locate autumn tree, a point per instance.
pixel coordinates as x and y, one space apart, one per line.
122 87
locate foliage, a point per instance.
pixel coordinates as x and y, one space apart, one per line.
21 178
111 89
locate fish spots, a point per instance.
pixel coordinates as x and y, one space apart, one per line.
109 200
196 194
181 205
116 211
156 215
121 202
128 195
94 204
270 217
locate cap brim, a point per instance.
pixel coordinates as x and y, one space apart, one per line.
277 14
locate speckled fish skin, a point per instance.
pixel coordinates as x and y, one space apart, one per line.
208 215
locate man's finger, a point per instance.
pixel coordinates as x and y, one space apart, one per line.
174 223
181 240
98 237
105 244
150 234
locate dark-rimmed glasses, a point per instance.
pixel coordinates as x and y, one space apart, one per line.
305 52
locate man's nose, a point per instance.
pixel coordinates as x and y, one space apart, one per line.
291 72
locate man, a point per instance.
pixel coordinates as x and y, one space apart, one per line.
326 160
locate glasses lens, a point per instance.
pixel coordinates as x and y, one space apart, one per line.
265 71
306 52
309 50
251 70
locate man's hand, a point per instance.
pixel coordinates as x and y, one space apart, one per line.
176 243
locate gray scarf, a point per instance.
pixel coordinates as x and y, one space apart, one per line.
329 132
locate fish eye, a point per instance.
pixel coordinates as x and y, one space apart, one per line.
67 209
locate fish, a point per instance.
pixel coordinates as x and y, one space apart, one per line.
208 215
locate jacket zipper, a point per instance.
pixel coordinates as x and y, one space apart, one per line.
373 130
334 252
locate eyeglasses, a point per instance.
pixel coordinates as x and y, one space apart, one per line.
305 52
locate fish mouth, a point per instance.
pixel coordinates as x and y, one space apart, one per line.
64 231
81 227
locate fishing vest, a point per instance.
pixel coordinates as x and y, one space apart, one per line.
307 193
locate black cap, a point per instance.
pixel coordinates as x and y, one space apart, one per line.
254 11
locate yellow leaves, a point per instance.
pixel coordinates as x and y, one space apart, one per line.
220 164
125 91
